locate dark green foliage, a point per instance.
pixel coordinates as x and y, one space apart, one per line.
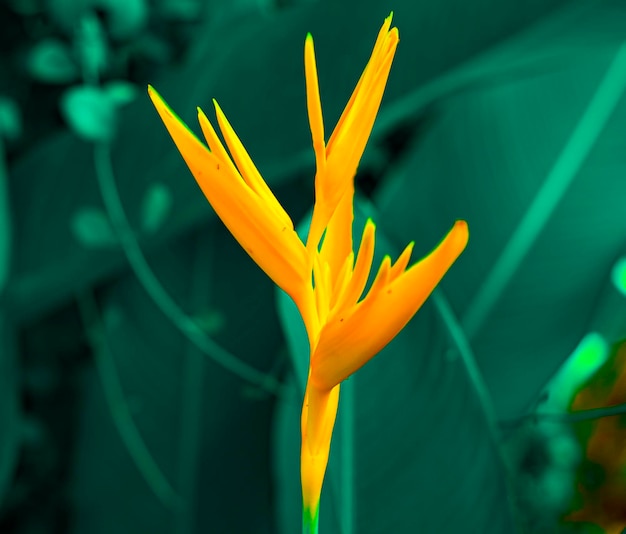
483 99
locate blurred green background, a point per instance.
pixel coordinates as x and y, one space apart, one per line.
150 374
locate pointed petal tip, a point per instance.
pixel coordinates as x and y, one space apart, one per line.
462 229
153 93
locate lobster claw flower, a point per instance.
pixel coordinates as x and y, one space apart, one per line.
240 197
324 276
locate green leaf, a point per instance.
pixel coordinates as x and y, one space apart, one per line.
51 61
90 112
530 162
91 227
10 119
156 207
121 92
124 18
168 440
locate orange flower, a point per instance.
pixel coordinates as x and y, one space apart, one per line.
324 277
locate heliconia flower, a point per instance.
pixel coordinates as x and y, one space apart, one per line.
324 276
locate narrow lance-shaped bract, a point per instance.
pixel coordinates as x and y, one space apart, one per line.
325 277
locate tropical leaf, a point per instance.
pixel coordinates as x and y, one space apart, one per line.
534 164
169 440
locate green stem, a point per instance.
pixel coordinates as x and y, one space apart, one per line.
310 520
153 287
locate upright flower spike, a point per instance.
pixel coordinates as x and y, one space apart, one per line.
325 277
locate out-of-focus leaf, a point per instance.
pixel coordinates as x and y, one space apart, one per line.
90 112
10 119
206 438
124 18
185 10
51 61
211 321
152 48
503 156
92 228
156 207
121 92
421 444
91 46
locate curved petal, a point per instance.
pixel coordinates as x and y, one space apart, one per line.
355 286
337 243
314 104
350 340
347 142
274 246
248 169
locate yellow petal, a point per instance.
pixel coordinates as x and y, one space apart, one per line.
321 278
356 284
347 342
344 155
402 261
343 278
248 170
347 142
382 278
271 244
215 145
337 244
313 103
318 419
382 35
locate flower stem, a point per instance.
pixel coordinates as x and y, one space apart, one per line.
310 520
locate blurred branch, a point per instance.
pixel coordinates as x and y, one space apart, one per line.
461 342
154 288
118 407
193 379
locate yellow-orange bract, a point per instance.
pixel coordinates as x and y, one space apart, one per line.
324 277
